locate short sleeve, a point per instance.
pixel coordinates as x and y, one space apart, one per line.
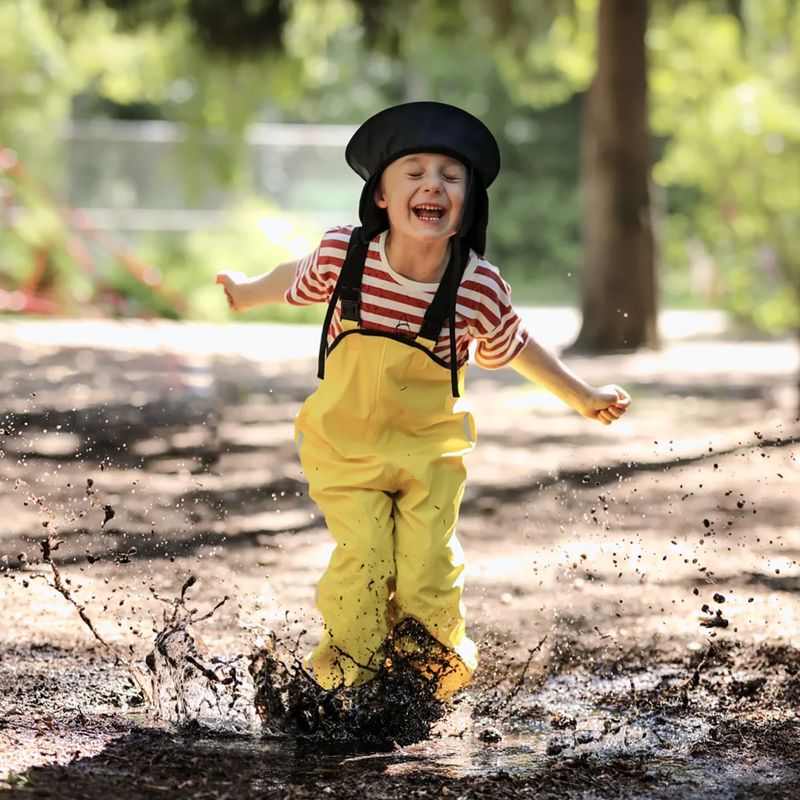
497 327
319 271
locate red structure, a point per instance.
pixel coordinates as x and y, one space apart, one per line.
38 292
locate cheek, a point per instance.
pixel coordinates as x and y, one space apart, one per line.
401 197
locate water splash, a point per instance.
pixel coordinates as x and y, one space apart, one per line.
398 706
189 689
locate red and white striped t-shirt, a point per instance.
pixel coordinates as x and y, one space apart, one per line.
392 303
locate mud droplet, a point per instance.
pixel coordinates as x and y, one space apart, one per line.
556 746
717 621
490 735
109 514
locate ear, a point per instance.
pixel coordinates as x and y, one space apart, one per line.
380 195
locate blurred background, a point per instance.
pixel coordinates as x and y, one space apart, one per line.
651 151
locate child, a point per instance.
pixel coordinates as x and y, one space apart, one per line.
382 438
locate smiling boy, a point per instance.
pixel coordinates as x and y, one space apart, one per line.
382 439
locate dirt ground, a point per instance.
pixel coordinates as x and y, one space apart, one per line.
635 590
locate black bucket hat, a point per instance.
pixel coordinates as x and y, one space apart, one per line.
426 127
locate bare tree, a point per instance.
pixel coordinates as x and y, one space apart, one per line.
618 281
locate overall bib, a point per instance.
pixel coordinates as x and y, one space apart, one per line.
381 443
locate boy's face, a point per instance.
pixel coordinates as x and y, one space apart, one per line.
423 194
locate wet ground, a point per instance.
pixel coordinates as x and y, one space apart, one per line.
635 589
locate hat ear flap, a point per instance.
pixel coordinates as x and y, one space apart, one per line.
481 221
374 220
476 215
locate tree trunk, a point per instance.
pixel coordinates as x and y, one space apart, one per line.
618 282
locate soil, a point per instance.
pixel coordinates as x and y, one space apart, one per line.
635 590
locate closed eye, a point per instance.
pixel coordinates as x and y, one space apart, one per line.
451 178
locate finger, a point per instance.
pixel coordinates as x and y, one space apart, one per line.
612 413
623 398
222 278
608 412
616 395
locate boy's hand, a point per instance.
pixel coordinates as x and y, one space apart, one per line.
607 404
233 284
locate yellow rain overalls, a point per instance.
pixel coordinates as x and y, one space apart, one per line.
381 442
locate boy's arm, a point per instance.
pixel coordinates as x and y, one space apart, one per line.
605 404
270 287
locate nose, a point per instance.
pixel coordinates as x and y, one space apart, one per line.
433 183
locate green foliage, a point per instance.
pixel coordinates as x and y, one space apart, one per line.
241 27
255 237
54 56
733 124
546 50
81 57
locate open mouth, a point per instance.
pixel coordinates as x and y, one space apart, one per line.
429 213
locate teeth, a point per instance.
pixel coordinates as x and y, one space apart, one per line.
429 213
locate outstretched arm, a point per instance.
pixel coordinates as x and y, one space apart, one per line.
270 287
605 404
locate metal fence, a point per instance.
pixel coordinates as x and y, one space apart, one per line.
117 184
151 176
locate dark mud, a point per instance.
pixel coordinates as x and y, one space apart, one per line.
634 592
397 706
720 723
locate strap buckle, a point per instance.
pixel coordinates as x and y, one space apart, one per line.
351 304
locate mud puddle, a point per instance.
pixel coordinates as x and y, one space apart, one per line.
717 720
569 721
572 735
